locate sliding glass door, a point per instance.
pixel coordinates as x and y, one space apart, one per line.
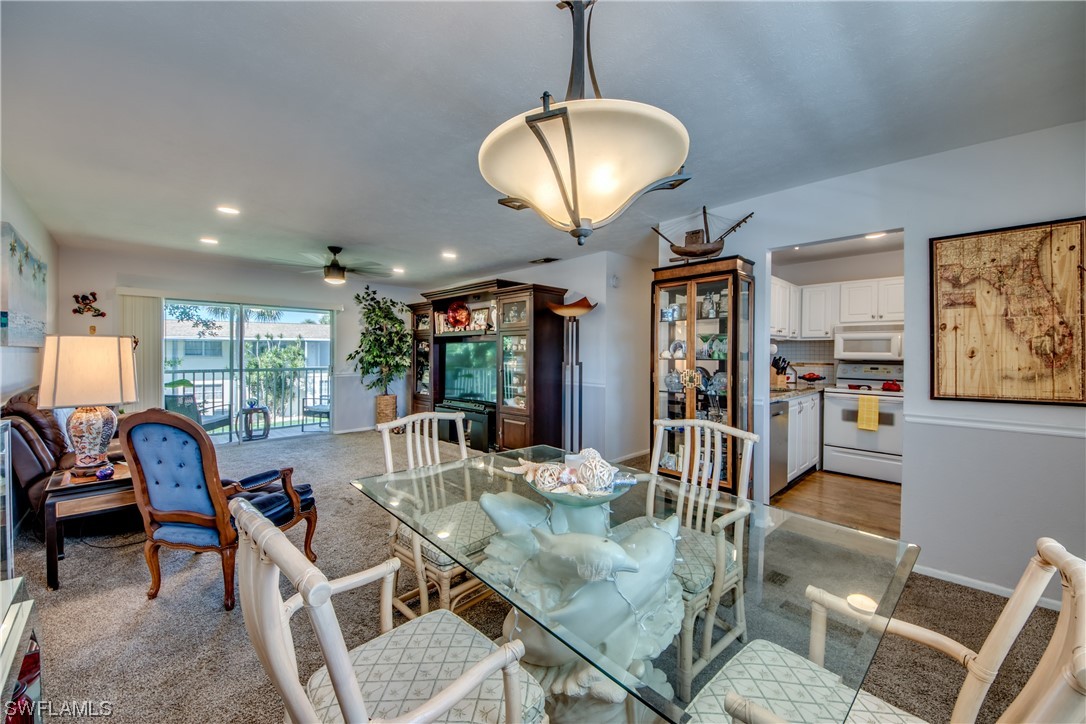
246 371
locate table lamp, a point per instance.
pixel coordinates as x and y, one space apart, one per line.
88 373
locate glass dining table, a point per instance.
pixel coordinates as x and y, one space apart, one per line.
599 613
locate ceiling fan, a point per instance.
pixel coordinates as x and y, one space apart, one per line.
336 273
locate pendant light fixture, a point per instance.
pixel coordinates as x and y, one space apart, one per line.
580 163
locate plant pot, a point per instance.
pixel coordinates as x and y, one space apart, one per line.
386 408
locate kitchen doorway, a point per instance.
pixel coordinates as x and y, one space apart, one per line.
825 298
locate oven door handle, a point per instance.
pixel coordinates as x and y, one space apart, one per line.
887 400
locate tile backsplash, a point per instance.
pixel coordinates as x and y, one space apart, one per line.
817 351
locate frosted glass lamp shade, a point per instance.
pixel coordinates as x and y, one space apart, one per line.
621 149
88 373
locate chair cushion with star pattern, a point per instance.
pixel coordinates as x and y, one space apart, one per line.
792 687
468 527
404 668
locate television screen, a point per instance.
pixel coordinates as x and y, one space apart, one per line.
471 371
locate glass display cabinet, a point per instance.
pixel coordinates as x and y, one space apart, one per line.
422 398
515 371
20 660
702 367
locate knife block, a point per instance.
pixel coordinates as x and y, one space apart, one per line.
778 380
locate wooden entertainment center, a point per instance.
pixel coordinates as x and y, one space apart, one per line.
513 397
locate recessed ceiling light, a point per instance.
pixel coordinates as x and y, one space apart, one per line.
208 240
397 270
876 235
449 254
795 248
230 210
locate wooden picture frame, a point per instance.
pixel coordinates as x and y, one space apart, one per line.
480 318
1007 314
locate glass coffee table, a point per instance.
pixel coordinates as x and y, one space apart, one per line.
783 555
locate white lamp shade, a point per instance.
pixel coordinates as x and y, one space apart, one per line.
87 371
620 147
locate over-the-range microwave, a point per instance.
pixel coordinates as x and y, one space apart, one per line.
866 344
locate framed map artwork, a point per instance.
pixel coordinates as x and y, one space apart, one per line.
1007 315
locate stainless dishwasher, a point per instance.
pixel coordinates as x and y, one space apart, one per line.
778 446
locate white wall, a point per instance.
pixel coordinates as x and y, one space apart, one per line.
982 481
213 278
20 366
850 268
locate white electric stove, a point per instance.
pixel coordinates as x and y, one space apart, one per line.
845 447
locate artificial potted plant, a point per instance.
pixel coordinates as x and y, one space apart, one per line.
384 347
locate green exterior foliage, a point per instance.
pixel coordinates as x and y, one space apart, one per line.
384 343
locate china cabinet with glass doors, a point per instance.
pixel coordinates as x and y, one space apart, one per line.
702 366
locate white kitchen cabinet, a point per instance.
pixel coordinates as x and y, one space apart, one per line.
812 438
795 298
892 299
873 300
804 435
780 307
818 313
796 429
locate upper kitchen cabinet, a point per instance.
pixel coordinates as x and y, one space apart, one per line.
818 311
873 300
781 323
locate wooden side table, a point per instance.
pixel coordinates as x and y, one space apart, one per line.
71 496
245 422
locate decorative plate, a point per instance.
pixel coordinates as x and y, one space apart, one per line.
458 316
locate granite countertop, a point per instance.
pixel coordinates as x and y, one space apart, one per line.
803 389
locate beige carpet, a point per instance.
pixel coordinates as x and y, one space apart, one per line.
183 658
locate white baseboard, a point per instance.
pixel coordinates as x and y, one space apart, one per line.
356 429
631 456
981 585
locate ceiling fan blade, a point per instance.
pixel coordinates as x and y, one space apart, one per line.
314 257
371 270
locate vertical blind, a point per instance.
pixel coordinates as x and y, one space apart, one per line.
142 317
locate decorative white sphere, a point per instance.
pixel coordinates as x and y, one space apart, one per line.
548 476
596 474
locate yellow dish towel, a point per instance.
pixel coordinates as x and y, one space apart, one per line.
867 417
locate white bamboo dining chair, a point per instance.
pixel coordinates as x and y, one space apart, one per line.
707 563
434 667
1054 694
468 526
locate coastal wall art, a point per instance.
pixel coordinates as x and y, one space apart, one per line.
22 291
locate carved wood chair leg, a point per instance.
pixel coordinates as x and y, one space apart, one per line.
228 577
150 552
310 528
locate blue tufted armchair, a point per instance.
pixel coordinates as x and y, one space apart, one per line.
184 502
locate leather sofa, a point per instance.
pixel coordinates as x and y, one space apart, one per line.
39 449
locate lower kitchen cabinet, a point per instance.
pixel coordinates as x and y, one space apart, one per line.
804 435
